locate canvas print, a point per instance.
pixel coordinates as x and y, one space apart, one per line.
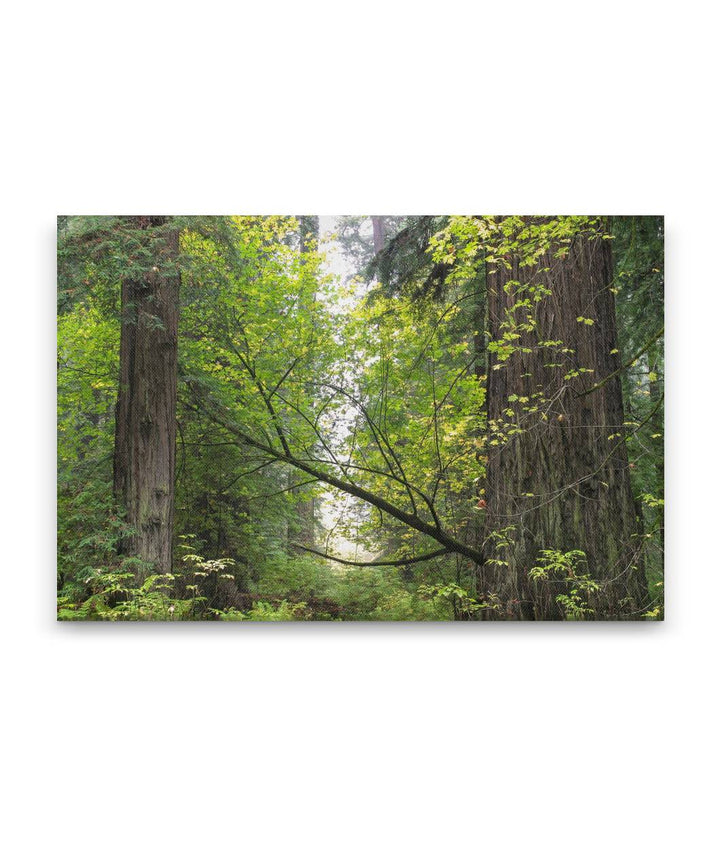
360 418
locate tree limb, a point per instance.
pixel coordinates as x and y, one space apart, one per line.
396 563
412 520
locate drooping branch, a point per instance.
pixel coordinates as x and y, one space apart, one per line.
436 532
394 563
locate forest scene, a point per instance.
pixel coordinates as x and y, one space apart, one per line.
360 418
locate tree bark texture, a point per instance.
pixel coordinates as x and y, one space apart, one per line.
144 460
562 481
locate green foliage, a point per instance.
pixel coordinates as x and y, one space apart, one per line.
381 594
382 385
462 604
639 295
262 611
558 567
129 591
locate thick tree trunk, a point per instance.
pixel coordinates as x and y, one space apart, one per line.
557 469
144 462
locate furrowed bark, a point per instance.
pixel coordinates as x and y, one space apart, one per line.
563 482
144 458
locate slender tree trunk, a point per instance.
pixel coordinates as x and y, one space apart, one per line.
144 462
304 533
557 474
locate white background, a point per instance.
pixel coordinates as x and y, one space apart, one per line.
501 739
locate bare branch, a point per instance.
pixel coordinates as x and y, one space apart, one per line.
396 563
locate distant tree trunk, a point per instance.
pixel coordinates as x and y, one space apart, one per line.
144 461
378 224
562 483
304 531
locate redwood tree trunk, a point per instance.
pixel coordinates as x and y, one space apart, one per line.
144 461
562 481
